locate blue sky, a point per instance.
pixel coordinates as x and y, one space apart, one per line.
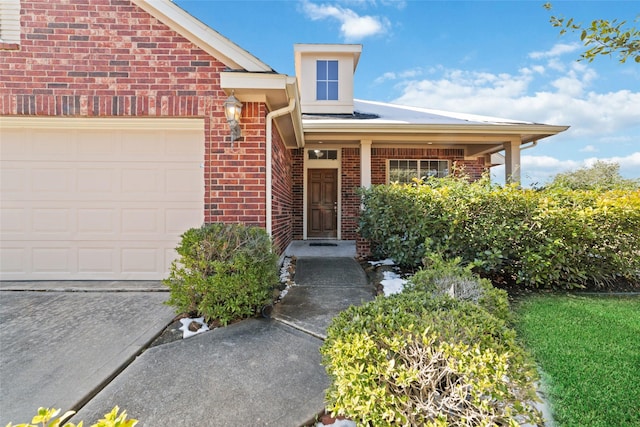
497 58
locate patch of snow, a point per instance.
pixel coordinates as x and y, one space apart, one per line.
186 333
392 283
387 261
285 277
338 423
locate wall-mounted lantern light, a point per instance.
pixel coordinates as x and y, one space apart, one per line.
233 110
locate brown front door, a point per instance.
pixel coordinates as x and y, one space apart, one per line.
322 218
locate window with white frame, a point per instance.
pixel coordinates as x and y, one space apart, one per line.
10 21
323 154
404 171
327 80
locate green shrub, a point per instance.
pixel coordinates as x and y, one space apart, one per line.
46 418
555 238
224 272
414 359
448 277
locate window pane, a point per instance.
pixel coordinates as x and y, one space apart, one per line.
332 91
332 70
403 171
321 90
321 70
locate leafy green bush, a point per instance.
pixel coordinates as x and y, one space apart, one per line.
554 237
224 272
448 277
414 359
46 418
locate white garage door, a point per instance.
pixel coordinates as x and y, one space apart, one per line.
97 199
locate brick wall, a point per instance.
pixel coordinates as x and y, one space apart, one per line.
350 198
297 160
282 183
379 157
107 58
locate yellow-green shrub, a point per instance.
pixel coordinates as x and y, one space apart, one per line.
46 417
414 359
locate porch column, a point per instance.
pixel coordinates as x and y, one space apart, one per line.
512 161
365 163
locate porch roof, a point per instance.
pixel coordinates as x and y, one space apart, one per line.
384 122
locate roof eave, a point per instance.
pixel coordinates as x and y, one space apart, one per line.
276 91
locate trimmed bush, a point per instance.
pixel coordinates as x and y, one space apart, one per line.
224 272
555 238
447 277
415 359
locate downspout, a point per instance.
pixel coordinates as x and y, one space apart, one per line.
272 115
533 144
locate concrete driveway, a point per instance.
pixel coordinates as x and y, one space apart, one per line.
60 342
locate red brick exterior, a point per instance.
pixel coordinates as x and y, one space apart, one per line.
379 157
350 198
297 159
282 196
108 58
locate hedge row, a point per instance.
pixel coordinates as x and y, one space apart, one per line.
546 238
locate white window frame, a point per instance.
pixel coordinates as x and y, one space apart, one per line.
10 21
420 173
327 81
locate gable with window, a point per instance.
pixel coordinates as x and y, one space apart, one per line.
9 23
404 171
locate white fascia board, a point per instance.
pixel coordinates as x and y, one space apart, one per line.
214 43
329 126
265 81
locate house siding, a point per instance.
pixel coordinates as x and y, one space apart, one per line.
101 58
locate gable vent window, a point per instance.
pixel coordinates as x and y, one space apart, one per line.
327 80
404 171
10 21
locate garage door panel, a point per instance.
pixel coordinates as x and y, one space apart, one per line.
53 259
97 221
141 260
98 203
178 220
102 261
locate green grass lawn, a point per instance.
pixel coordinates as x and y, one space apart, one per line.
589 352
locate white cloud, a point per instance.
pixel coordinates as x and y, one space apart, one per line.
566 99
557 50
353 26
589 149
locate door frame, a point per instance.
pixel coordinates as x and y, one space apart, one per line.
321 164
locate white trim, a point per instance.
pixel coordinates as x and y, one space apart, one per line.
15 122
365 163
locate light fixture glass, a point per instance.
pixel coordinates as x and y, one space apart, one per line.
233 111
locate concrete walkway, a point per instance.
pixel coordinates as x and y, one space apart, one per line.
57 349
